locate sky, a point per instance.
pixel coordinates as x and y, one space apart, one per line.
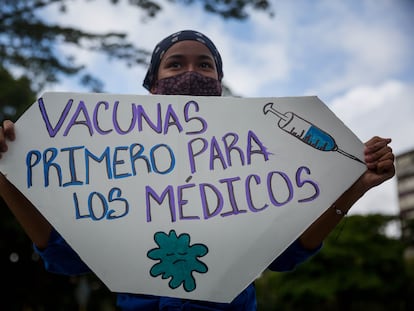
355 55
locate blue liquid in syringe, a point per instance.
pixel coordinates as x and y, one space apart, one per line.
306 131
319 139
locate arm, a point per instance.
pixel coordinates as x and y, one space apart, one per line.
34 224
379 160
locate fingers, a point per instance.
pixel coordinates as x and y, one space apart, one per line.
386 167
379 155
376 143
6 133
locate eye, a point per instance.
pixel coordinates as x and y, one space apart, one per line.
173 64
206 65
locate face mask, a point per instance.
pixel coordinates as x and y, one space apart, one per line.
188 83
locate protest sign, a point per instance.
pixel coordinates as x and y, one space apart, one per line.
181 196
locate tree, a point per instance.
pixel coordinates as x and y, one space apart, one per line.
14 91
358 268
30 44
27 285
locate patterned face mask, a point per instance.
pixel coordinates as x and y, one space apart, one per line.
188 83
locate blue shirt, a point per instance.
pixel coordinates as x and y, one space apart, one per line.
60 258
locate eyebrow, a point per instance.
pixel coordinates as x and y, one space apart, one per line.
200 57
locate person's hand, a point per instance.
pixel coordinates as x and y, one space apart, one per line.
6 133
379 159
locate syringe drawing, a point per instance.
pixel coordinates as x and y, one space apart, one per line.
306 132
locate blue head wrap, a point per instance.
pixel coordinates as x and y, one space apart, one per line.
166 43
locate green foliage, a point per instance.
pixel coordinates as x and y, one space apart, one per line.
357 268
27 285
237 9
15 95
32 45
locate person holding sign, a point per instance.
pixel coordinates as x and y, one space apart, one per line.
188 63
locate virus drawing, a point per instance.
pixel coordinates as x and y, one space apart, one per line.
177 259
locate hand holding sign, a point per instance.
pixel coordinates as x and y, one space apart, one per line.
138 175
126 168
6 133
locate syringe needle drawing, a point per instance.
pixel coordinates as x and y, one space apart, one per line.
306 131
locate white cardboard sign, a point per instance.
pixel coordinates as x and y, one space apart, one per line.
180 196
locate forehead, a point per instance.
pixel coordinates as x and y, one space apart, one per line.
188 48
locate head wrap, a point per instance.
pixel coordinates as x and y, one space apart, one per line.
166 43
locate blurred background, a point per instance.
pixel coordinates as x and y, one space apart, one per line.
355 55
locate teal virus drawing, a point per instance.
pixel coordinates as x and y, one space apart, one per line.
177 259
